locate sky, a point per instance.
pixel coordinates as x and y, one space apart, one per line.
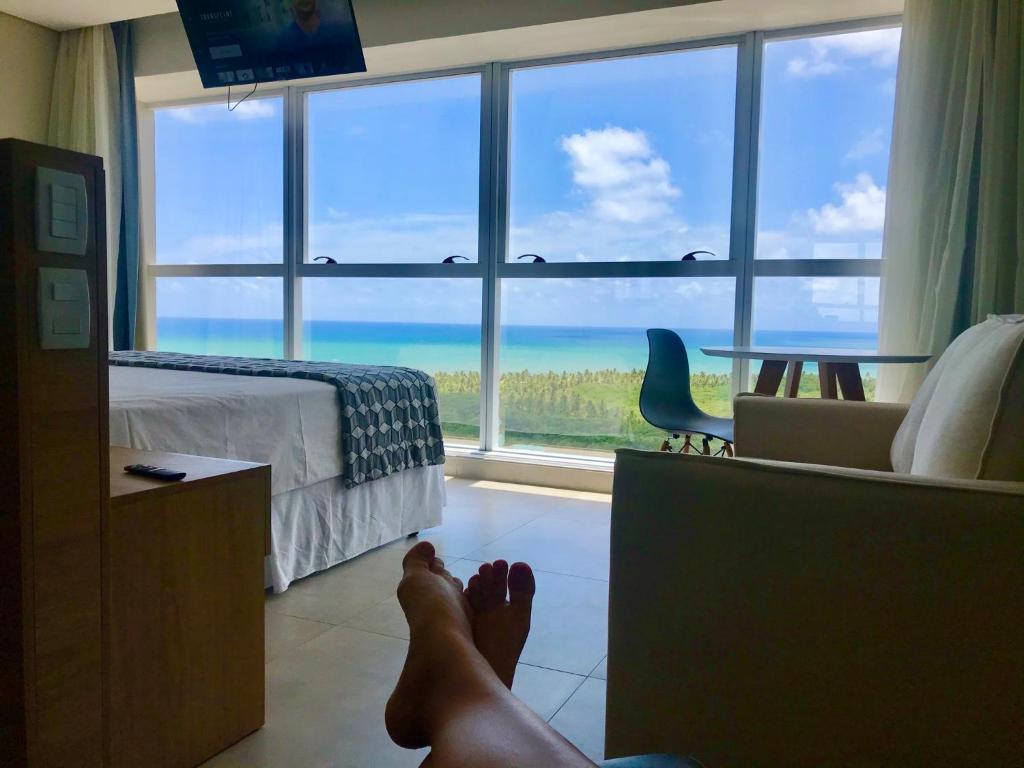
613 160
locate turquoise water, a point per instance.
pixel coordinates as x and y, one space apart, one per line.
435 347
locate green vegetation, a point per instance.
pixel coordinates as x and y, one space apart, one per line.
587 410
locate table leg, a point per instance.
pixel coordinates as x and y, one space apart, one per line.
769 377
827 379
793 373
850 381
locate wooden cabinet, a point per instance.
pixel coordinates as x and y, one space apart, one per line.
184 608
53 477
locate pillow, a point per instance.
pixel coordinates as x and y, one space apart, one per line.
967 421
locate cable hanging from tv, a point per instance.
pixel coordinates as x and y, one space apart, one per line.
232 107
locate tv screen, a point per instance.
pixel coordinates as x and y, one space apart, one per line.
243 42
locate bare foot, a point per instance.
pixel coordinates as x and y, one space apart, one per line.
500 626
439 629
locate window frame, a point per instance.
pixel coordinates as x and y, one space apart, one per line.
493 219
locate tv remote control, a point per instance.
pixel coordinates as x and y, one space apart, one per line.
157 473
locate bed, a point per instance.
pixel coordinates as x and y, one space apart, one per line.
319 517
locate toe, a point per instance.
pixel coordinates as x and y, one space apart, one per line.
499 582
420 556
474 593
486 574
521 584
437 565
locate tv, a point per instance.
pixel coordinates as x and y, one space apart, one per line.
244 42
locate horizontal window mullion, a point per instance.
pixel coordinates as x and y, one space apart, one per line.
719 268
390 270
215 270
817 267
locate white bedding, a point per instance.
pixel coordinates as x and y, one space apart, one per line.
293 425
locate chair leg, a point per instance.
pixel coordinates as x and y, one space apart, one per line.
687 445
705 446
665 446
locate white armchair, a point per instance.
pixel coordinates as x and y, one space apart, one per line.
805 605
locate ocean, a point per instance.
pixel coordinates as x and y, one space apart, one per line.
436 347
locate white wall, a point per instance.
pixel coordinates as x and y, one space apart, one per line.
27 56
161 46
165 70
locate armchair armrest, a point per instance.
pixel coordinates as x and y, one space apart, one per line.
841 433
766 613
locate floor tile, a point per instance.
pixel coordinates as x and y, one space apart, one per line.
384 618
601 673
343 591
581 720
544 690
285 633
325 707
571 540
569 630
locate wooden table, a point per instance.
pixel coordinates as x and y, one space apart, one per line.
835 367
183 585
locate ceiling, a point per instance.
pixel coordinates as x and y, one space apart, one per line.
71 14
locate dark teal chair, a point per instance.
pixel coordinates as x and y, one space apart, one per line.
666 401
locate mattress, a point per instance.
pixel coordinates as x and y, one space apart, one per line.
291 424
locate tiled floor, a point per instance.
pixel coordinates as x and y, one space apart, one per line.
336 641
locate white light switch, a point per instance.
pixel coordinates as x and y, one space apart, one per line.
64 308
62 212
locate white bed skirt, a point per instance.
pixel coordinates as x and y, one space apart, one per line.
323 524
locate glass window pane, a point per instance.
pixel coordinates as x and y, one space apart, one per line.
394 171
826 125
219 183
828 312
428 323
238 316
573 355
626 159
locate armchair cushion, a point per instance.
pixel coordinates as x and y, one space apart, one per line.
841 433
967 421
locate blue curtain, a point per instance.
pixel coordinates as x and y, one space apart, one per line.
127 291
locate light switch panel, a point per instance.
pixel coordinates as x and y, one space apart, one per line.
62 212
64 308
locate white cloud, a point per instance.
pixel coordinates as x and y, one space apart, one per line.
862 209
255 109
878 47
870 143
625 178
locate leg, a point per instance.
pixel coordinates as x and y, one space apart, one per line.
827 379
448 697
769 377
850 382
793 373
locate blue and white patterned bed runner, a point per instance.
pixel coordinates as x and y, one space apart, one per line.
389 416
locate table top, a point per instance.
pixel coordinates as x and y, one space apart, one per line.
200 469
813 354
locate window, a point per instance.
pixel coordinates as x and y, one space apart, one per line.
573 354
239 316
430 324
513 228
394 171
625 159
826 126
217 266
219 184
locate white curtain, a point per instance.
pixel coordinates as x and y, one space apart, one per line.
954 224
85 114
